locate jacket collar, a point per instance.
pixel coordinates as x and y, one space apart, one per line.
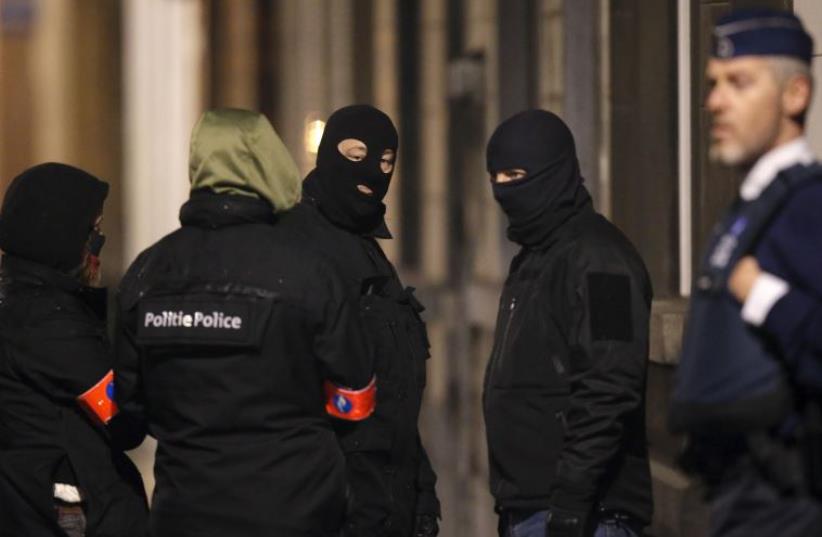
771 163
38 274
208 209
381 231
32 273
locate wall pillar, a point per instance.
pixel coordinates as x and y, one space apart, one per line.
163 60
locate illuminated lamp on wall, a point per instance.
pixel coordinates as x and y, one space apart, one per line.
313 133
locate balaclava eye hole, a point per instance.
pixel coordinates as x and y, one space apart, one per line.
353 149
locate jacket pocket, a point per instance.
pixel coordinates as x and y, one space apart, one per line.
525 431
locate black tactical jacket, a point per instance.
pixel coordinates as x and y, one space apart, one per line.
389 475
53 349
230 326
565 386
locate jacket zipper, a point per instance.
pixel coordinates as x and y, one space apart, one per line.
501 350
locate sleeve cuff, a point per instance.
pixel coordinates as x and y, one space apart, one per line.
788 320
767 290
573 496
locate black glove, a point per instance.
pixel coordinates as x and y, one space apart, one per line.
566 524
426 526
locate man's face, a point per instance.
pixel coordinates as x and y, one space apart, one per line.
745 102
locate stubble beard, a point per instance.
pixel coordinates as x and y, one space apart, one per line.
728 155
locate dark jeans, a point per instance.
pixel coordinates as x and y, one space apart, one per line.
533 524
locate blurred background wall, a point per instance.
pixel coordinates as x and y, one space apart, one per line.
114 86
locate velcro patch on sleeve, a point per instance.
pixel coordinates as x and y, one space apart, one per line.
99 399
351 405
609 303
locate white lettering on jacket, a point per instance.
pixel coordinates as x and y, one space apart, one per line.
198 319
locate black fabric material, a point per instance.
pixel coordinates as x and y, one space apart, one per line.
48 214
53 348
565 413
609 301
333 183
540 143
426 526
245 446
566 524
389 475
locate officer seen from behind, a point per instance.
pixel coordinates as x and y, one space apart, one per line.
234 337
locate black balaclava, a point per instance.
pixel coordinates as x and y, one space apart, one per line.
333 183
540 143
48 216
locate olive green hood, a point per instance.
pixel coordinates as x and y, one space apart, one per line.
238 152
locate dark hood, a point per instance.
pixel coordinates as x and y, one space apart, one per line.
48 214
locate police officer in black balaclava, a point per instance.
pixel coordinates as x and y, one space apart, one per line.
564 387
62 471
391 483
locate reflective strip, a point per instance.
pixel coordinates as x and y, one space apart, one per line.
99 399
351 405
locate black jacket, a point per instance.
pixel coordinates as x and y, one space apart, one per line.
53 349
245 447
389 474
565 386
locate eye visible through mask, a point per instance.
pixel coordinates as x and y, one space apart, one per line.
353 149
508 175
356 151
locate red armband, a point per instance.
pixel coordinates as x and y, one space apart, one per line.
351 405
99 399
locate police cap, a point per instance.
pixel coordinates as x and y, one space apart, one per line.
761 32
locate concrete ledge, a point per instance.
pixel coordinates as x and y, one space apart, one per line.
667 326
679 510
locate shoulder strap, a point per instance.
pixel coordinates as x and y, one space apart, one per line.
774 198
744 228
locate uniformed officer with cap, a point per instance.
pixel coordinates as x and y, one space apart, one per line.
750 378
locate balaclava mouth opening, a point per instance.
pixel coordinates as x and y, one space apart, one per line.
48 216
551 192
333 183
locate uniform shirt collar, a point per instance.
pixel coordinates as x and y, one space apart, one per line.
771 163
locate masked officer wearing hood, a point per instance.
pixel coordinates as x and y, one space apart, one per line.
390 479
565 385
749 385
236 340
62 471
